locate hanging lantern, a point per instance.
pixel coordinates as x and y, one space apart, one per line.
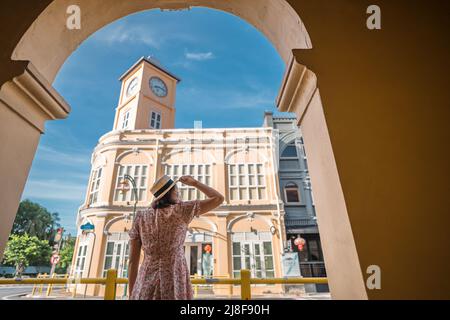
299 241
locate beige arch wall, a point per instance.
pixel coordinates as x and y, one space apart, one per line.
285 34
385 97
275 18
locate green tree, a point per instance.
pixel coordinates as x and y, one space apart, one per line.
24 250
35 220
66 254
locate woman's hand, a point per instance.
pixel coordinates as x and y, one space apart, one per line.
188 180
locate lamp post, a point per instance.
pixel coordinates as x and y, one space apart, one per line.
127 179
125 183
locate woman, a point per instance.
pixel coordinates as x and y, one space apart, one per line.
161 231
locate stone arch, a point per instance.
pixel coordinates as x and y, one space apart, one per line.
126 153
286 139
34 70
229 156
189 150
49 33
98 160
232 222
212 225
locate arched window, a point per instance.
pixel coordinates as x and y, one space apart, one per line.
139 172
291 193
290 152
201 172
95 185
247 181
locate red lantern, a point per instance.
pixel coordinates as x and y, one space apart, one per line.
300 247
299 241
208 248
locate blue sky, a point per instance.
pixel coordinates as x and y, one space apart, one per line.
230 75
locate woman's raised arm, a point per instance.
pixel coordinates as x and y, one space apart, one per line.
215 198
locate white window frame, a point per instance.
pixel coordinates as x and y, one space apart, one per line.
94 189
292 186
245 176
201 172
80 260
120 254
245 239
141 182
157 123
126 120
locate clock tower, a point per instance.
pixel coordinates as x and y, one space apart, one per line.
147 98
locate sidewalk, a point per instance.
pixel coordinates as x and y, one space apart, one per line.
59 294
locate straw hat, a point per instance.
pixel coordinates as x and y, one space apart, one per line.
162 186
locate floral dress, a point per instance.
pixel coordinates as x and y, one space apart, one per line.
164 274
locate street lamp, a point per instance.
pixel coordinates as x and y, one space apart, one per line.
125 186
125 183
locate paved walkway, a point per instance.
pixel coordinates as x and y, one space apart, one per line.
59 294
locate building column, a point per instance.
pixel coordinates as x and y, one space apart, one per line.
301 96
222 259
98 253
26 102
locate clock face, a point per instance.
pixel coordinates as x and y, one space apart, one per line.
132 87
158 87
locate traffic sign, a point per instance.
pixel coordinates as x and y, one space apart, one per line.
55 259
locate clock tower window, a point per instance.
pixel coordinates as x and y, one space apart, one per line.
155 120
126 120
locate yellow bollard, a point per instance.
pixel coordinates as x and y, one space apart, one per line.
66 286
195 287
74 293
50 286
246 290
44 276
110 288
34 286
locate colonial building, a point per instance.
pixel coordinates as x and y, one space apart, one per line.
246 231
297 197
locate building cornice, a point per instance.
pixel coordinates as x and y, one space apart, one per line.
33 98
223 210
298 87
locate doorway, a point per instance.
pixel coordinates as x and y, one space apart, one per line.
199 259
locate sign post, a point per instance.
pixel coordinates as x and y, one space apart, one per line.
54 260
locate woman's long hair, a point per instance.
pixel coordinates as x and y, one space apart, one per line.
165 201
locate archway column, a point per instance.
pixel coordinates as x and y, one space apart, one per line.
299 94
222 248
26 102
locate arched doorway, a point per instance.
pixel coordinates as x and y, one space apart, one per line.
32 96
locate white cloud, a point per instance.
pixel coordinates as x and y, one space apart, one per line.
75 158
120 34
155 36
229 99
260 99
54 190
199 56
59 176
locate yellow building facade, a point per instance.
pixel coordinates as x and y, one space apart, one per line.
246 231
